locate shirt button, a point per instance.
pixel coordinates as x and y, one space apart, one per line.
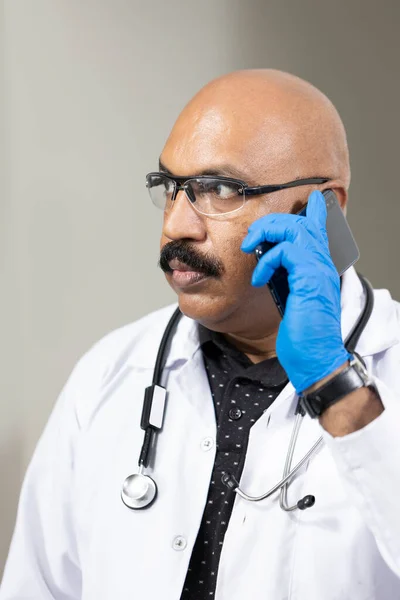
179 543
207 443
235 414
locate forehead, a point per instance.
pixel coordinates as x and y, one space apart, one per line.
204 138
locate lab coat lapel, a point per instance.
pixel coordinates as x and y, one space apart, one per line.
381 331
192 385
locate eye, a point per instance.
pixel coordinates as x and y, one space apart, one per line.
215 188
223 190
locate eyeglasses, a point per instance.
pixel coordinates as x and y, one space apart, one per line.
210 195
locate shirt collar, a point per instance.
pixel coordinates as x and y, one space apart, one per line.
269 372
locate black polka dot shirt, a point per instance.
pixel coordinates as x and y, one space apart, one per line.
241 392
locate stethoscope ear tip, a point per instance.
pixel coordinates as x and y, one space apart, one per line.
306 502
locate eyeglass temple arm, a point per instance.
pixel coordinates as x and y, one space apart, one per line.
267 189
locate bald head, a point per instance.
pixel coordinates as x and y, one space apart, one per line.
262 127
272 126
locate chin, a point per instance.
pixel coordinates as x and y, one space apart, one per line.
202 301
200 307
228 315
214 312
221 308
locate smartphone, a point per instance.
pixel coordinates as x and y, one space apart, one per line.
342 247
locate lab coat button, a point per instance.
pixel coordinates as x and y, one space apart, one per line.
179 543
207 443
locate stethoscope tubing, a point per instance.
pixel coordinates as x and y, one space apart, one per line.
288 473
285 480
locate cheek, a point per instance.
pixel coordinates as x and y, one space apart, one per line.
284 201
229 236
238 261
238 265
163 241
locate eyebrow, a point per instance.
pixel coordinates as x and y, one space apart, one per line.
222 171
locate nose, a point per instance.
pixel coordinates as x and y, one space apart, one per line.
181 221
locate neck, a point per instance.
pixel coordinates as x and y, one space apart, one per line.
252 330
256 349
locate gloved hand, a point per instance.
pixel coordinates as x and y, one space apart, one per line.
309 343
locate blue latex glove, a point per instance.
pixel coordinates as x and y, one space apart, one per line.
309 343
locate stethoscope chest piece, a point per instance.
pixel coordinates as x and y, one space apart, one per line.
138 491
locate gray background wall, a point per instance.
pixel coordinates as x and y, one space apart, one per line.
90 92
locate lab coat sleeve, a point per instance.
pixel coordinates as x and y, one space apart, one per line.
369 462
43 561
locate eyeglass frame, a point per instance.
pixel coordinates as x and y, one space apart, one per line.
259 190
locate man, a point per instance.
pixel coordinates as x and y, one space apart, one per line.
234 373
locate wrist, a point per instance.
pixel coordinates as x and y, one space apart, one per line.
325 379
347 378
321 371
353 412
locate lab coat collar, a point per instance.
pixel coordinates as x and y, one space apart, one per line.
381 331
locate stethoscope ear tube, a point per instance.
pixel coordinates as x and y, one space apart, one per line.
354 335
231 482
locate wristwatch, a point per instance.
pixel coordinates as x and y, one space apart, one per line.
350 379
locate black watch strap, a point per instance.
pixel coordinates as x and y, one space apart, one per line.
350 379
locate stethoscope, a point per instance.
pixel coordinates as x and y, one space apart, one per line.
140 490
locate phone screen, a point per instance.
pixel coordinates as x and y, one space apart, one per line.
342 247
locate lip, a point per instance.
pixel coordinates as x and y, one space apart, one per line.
183 275
184 279
177 265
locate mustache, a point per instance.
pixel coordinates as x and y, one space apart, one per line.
184 252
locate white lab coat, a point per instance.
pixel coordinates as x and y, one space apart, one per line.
74 538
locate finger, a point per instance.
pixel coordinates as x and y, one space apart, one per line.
316 208
275 228
285 255
316 215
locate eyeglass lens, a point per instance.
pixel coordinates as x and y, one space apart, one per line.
208 195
